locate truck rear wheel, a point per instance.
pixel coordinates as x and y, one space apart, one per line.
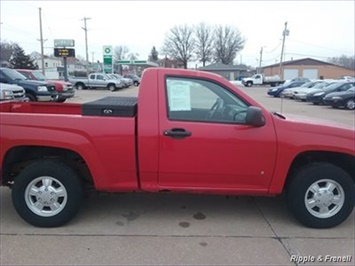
321 195
47 193
80 86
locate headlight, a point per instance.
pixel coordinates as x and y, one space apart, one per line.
336 98
7 95
319 94
42 88
274 89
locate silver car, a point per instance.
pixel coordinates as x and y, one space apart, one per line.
10 92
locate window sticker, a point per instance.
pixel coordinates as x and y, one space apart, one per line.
179 97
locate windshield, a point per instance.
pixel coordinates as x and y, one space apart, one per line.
334 86
13 74
39 76
320 85
306 85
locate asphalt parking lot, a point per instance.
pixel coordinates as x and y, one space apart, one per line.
171 229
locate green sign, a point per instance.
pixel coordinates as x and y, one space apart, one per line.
107 60
107 56
139 62
124 61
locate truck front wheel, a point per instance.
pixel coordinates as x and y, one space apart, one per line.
31 97
111 87
249 84
47 193
321 195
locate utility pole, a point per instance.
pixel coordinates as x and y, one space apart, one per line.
41 40
86 39
285 33
261 58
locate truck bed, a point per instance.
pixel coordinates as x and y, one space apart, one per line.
108 106
106 144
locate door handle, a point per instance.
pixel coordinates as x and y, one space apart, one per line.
177 133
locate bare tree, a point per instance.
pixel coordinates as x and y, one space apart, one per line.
228 42
179 43
120 52
343 61
204 42
133 56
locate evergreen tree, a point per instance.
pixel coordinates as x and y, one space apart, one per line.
21 60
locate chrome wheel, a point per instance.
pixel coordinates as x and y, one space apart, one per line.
324 198
112 87
350 104
46 196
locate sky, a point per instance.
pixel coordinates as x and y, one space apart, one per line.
317 29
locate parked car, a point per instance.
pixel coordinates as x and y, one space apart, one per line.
135 78
35 90
277 91
341 99
64 89
97 80
301 93
317 97
127 81
195 133
260 79
289 93
12 92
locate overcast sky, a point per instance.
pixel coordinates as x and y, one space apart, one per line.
317 29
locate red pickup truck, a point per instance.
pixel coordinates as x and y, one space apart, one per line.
187 132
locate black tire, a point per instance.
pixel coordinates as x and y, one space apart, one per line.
31 97
80 86
135 83
61 100
47 193
321 185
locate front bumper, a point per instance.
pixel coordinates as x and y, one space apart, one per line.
65 95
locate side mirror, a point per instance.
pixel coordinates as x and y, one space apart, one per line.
255 117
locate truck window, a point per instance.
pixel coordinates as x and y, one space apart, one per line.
203 101
101 77
92 76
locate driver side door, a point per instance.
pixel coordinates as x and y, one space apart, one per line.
206 146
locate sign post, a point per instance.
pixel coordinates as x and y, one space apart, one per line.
60 50
107 58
